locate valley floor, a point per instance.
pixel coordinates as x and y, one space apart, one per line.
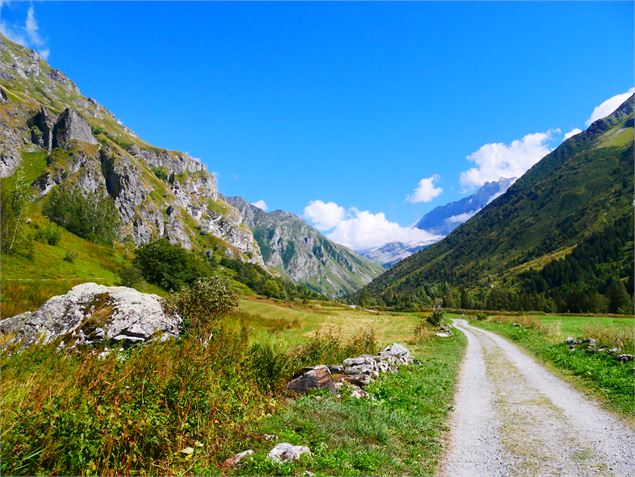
513 417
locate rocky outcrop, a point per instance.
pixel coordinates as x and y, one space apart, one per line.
311 379
157 192
91 314
589 345
71 126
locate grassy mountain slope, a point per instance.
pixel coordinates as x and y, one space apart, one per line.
79 143
303 254
579 189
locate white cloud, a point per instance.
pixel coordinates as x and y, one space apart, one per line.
261 204
324 215
425 190
497 160
361 229
608 106
460 218
26 35
572 133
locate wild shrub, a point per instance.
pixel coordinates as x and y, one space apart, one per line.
49 234
327 347
436 317
14 237
92 215
481 316
70 256
169 266
271 366
130 276
130 413
422 332
204 302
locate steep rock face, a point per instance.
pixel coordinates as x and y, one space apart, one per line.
158 192
388 255
90 314
291 246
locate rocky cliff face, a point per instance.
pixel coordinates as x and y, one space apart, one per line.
158 193
300 252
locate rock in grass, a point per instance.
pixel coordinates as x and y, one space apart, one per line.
90 314
285 452
235 459
311 379
396 354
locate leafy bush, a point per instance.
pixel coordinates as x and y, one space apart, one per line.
480 316
169 266
204 302
13 200
436 317
270 366
327 347
130 276
49 234
92 216
70 256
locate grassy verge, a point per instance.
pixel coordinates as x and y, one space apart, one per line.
599 374
399 432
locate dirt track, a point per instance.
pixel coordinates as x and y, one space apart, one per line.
513 417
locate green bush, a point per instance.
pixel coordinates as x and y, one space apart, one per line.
169 266
130 276
270 366
204 302
481 316
70 256
436 317
49 234
14 237
92 216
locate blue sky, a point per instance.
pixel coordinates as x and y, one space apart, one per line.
352 104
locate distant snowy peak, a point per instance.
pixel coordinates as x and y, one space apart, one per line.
393 252
444 219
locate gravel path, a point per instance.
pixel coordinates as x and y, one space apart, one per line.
513 417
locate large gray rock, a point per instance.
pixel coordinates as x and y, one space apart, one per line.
71 126
286 452
364 364
90 313
43 126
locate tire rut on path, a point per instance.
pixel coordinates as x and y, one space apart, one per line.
513 417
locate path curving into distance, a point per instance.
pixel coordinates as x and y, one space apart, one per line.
512 417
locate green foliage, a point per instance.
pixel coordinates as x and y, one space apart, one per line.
436 317
169 266
203 303
161 172
70 256
92 216
270 365
13 200
49 234
130 276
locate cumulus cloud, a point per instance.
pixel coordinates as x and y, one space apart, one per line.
324 215
572 133
608 106
425 190
497 160
361 229
27 34
261 204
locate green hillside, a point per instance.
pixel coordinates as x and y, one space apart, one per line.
579 194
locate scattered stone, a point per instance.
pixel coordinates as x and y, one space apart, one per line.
310 379
360 380
625 358
442 334
285 452
270 437
336 368
364 364
569 340
235 459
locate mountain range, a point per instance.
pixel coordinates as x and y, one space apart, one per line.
293 248
561 236
60 138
